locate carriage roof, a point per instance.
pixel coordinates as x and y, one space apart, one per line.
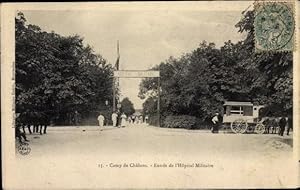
232 103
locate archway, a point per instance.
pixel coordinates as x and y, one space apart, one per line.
137 74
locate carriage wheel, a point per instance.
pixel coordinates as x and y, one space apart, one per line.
260 128
239 126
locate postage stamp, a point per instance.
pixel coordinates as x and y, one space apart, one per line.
24 149
274 26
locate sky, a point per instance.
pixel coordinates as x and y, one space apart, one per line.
147 35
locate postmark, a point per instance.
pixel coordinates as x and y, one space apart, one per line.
274 26
24 149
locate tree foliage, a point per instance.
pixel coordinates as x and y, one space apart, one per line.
127 107
57 75
198 83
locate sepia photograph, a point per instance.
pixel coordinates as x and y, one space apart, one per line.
150 95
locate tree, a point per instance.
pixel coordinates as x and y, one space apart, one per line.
58 75
198 83
275 69
127 107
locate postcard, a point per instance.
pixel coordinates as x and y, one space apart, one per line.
150 95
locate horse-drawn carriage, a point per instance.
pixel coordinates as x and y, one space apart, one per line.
243 117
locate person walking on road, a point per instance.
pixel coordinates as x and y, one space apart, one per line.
282 124
123 120
114 118
101 121
215 121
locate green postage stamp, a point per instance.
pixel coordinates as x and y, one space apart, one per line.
274 26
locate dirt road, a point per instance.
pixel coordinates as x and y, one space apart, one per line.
142 156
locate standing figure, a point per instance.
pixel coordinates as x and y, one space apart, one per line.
101 121
273 124
45 122
141 119
123 120
290 125
266 122
215 121
18 133
34 120
114 118
282 124
129 120
133 119
76 118
146 119
24 120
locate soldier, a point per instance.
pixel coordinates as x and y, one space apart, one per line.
141 119
274 125
129 120
35 120
282 124
266 122
114 118
18 132
40 122
25 121
44 122
123 120
133 119
101 121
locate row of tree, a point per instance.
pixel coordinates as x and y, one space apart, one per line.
198 83
57 75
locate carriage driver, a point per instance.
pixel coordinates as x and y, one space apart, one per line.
215 121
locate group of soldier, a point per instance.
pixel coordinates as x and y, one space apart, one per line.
35 122
276 125
117 120
120 120
135 119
